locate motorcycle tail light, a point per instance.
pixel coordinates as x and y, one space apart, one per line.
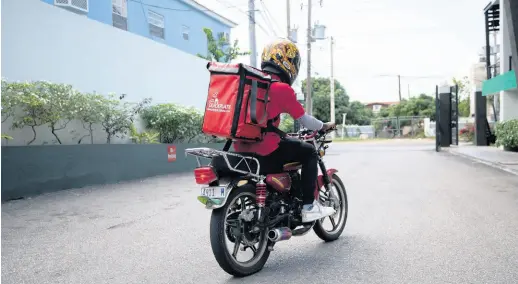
205 175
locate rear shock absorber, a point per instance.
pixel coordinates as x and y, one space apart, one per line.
260 197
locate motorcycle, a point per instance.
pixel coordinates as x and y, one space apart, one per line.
253 209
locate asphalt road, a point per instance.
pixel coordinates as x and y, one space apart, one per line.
415 216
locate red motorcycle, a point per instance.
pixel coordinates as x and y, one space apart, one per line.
253 209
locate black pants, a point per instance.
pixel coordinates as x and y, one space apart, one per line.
293 150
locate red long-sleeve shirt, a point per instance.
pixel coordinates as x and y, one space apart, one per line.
282 100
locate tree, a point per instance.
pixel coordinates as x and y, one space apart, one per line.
118 116
10 101
219 49
60 105
423 105
10 95
174 122
191 124
464 95
146 137
287 123
31 106
358 114
89 112
320 90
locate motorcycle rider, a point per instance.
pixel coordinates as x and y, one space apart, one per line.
281 59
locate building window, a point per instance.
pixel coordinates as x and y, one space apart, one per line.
156 24
376 108
185 32
120 14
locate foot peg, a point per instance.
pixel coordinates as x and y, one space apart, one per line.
304 230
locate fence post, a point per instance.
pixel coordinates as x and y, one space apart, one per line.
480 120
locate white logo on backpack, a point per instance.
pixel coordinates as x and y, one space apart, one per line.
215 106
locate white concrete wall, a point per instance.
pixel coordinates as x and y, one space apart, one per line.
508 99
43 42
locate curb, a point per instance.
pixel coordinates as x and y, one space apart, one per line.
481 161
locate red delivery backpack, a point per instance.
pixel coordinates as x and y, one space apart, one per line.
237 102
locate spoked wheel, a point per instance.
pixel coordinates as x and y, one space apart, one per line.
238 250
330 228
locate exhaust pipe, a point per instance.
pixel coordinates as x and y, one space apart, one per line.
279 234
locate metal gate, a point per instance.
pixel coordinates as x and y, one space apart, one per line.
454 105
437 120
447 124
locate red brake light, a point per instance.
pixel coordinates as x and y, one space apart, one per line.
205 175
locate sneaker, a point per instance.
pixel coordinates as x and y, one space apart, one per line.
315 212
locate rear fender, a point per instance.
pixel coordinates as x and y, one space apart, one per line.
215 203
320 181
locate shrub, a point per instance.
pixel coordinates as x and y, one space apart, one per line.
146 137
286 124
41 103
507 134
175 123
468 132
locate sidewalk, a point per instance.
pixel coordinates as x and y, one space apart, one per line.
492 156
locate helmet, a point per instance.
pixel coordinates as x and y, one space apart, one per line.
284 56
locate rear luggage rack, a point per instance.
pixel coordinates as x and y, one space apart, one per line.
209 153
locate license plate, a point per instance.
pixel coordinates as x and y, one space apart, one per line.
214 192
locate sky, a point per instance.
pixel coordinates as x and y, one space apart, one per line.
427 42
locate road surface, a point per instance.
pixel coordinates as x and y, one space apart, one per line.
415 216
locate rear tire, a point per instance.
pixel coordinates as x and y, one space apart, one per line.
334 234
218 237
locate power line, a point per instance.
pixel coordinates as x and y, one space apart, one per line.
228 5
267 20
171 9
269 15
410 76
204 10
268 23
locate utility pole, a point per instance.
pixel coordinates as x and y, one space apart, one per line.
332 86
496 98
343 124
408 91
296 125
251 29
400 99
288 12
399 82
309 104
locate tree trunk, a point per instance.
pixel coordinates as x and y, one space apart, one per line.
81 139
54 133
34 137
91 133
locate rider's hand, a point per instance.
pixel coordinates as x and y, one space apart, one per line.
328 126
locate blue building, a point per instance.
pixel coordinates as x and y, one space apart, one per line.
177 23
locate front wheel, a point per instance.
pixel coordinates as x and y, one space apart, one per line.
338 197
238 250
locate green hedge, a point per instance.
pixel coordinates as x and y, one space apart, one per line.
176 123
41 103
507 134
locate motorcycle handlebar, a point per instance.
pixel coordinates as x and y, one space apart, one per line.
318 132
